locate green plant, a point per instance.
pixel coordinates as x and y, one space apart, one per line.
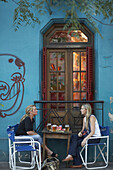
27 11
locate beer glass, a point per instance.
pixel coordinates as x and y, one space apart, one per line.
67 128
48 126
54 127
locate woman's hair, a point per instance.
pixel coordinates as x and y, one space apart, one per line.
88 113
28 110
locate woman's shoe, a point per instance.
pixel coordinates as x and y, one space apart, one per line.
68 158
75 166
53 155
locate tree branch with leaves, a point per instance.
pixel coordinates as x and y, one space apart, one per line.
28 12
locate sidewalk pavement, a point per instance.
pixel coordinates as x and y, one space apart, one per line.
63 166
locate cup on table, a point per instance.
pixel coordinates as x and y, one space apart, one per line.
54 128
67 128
60 127
48 126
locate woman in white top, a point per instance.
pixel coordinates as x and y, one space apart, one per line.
91 126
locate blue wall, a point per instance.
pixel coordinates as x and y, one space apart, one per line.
26 47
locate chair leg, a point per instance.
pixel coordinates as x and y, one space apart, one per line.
92 162
85 161
102 155
38 158
14 160
38 162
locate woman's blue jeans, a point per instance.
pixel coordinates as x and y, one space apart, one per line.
75 143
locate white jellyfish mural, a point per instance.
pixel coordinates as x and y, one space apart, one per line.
12 79
111 109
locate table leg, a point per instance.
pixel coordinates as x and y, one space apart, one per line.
43 147
68 143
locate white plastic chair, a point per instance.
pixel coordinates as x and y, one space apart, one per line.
103 148
19 144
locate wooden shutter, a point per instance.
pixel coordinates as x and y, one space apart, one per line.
89 71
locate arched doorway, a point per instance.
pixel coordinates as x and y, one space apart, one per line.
67 68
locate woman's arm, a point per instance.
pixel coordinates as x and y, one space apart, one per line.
92 124
31 133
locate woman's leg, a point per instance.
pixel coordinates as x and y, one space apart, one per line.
75 142
77 159
74 150
49 152
39 139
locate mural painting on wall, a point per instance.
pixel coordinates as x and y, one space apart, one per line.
12 73
111 109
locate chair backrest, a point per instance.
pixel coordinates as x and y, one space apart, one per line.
11 130
104 130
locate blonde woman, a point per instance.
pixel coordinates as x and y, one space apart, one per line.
26 127
91 126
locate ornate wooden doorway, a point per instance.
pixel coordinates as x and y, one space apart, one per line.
67 71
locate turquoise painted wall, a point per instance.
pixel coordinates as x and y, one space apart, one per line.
26 45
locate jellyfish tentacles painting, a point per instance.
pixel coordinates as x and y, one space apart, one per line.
12 73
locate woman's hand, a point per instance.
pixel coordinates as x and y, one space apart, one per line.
83 142
80 134
31 133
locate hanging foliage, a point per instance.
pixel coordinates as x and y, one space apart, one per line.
28 11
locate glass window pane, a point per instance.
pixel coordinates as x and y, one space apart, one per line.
61 62
53 97
83 81
61 85
76 96
53 82
76 81
78 36
64 36
83 61
76 61
52 61
61 96
83 96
